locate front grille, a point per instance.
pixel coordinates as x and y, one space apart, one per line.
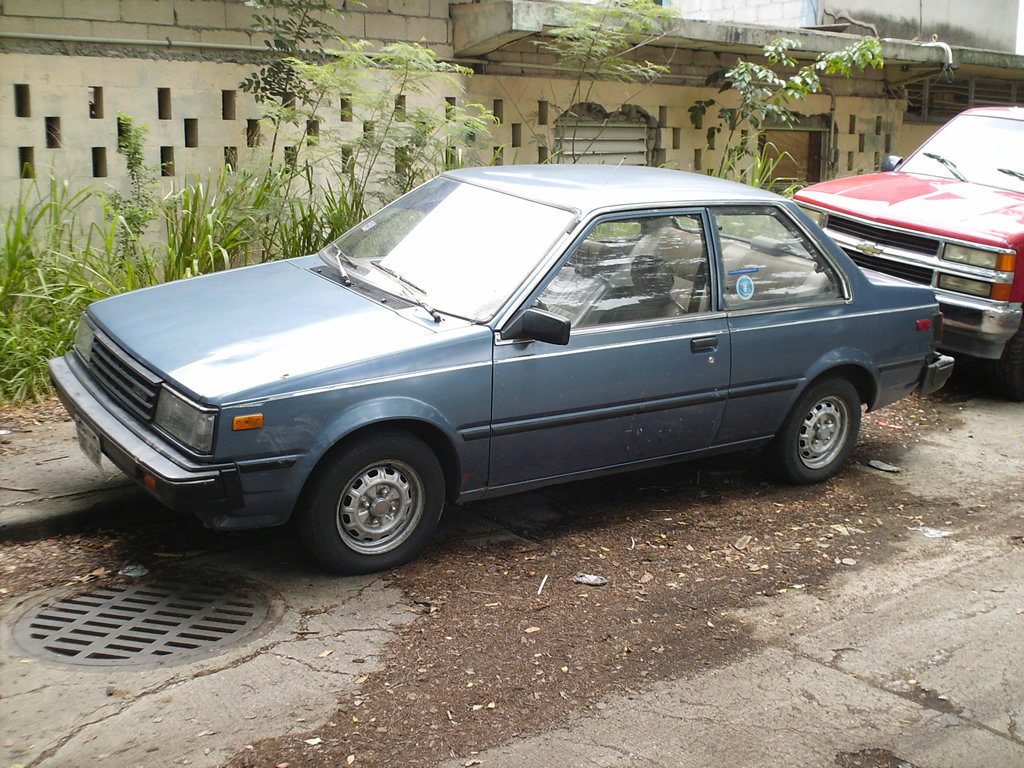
132 386
926 246
911 272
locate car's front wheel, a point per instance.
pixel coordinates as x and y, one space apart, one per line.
374 504
819 434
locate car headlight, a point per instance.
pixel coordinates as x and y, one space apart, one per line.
84 336
818 217
961 254
185 420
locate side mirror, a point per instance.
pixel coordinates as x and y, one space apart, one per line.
539 325
891 163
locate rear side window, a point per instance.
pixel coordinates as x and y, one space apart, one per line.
767 261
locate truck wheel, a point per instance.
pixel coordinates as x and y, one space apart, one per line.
1010 368
819 434
374 505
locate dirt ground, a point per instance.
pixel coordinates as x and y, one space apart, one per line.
507 643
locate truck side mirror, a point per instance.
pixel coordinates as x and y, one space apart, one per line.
891 163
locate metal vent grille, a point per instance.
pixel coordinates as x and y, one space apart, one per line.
598 143
926 246
147 624
126 381
935 100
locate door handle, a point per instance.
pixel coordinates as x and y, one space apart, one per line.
703 343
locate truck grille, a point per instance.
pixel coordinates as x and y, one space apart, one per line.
132 386
926 246
910 272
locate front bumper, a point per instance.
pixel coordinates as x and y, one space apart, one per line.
935 374
977 328
206 490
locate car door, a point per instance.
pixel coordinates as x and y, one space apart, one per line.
785 301
646 367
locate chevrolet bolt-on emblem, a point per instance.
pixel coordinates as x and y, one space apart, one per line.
867 247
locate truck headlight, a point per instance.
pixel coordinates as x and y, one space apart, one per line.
964 285
818 217
84 336
961 254
185 420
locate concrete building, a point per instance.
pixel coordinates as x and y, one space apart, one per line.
995 25
69 67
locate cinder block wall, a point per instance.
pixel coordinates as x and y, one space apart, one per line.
57 57
193 111
213 22
69 67
778 13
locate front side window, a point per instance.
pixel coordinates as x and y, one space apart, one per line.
633 269
461 248
767 261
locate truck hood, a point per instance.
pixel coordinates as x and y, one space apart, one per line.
243 330
943 207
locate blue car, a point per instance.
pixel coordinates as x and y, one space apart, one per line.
495 330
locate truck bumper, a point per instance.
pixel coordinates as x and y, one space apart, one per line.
976 328
212 492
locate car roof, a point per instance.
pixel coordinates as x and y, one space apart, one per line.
588 187
1011 113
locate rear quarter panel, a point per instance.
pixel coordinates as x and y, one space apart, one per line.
872 338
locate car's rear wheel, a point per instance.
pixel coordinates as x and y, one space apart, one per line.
1009 368
374 504
819 434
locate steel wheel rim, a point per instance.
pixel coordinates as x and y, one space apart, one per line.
823 432
380 507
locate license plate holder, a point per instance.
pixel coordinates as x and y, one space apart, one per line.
89 442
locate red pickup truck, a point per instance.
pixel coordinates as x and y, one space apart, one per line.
950 216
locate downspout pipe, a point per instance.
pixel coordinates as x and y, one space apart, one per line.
948 66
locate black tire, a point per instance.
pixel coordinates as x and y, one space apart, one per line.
1009 369
374 504
819 434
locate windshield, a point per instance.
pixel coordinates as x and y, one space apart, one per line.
452 246
981 149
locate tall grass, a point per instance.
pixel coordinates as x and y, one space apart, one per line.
43 287
64 249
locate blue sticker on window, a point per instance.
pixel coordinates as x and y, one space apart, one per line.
745 287
747 271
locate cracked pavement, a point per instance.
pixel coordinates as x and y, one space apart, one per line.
918 654
323 633
202 713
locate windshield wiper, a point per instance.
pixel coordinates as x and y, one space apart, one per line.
948 163
404 281
337 256
1011 172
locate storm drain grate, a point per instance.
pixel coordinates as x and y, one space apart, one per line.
146 624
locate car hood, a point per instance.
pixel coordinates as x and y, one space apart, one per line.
252 329
942 207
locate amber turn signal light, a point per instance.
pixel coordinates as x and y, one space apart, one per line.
249 421
1005 262
1001 291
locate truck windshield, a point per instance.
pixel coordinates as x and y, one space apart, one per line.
983 149
463 249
